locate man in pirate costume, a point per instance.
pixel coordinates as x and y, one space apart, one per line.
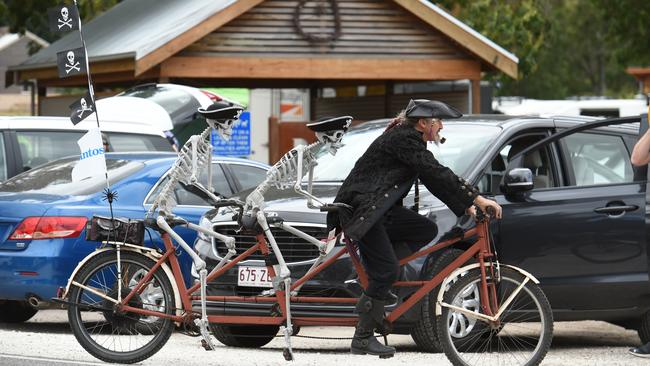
375 188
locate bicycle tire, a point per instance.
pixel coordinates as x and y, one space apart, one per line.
424 331
523 337
88 325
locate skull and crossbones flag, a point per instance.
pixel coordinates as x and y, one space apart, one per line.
71 62
63 18
82 108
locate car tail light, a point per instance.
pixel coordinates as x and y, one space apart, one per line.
49 227
212 96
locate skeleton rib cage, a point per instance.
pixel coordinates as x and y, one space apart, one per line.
193 156
284 173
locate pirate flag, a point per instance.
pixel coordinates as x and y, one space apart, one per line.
82 108
71 62
63 18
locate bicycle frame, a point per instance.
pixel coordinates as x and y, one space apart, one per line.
481 249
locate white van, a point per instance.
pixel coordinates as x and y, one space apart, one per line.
588 107
31 141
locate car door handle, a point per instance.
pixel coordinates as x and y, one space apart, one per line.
615 209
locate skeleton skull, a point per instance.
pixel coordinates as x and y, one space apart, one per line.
64 13
331 139
83 104
70 56
224 127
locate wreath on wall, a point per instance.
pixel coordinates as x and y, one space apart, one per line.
320 11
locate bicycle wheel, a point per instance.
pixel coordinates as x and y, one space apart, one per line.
117 336
521 337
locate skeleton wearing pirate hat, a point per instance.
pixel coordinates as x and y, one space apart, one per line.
222 116
195 155
290 169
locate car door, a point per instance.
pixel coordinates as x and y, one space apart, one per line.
582 232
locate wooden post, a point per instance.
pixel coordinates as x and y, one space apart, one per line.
42 93
475 108
388 98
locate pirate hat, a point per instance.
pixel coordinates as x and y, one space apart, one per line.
331 124
221 111
424 108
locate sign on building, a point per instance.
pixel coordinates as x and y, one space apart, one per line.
240 141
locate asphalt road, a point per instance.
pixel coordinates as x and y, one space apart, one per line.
47 340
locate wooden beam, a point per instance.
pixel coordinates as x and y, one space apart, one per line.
465 39
125 78
319 68
476 96
199 31
102 67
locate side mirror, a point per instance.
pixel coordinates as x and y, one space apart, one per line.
518 180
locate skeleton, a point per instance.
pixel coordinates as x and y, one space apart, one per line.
286 173
65 21
84 108
194 156
71 65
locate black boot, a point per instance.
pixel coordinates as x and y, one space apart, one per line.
371 315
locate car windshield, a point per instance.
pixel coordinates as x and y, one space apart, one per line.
465 142
56 178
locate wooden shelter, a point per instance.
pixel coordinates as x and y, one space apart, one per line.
310 44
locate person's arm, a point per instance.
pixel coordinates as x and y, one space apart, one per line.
454 191
641 151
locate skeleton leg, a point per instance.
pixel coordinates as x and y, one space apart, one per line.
203 322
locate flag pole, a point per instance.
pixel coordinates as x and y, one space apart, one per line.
109 195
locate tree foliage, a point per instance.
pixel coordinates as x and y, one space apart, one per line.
22 15
565 47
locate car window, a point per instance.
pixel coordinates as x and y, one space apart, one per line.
40 147
185 197
248 176
122 142
598 159
3 159
538 161
56 178
464 145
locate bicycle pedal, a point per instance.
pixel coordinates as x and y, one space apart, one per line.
206 345
287 354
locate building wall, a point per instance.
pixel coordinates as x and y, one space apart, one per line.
367 29
12 55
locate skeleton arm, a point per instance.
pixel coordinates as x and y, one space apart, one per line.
299 174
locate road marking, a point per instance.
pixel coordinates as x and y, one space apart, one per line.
4 355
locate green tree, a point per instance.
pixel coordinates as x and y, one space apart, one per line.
565 47
22 15
518 26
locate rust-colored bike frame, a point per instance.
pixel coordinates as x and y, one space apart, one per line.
481 249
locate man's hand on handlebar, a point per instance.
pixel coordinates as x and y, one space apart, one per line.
489 207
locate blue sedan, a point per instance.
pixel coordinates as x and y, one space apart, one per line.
43 216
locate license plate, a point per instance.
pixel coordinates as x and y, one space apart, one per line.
254 277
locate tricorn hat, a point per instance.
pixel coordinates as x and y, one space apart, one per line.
221 111
424 108
331 124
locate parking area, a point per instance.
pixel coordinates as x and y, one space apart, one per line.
46 339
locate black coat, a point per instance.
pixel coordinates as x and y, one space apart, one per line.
384 175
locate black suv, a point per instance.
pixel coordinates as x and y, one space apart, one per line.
580 227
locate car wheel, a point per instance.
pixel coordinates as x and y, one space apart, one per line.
644 328
244 336
424 333
16 311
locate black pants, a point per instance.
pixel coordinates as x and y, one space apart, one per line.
399 227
